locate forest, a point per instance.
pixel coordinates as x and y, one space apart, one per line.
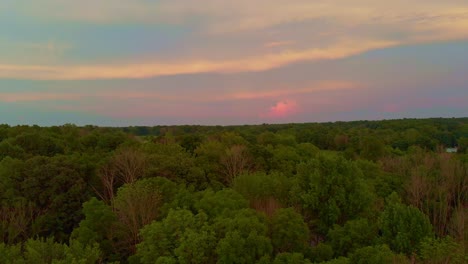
391 191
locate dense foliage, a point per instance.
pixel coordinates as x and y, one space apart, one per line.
345 192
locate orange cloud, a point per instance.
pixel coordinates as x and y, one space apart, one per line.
275 44
147 70
399 23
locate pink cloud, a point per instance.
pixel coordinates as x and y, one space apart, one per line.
316 87
36 96
270 94
282 109
267 61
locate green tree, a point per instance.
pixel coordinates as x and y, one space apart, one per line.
10 149
463 145
219 203
160 239
55 187
217 155
403 227
244 221
235 248
284 159
243 237
321 252
79 253
39 143
289 232
171 161
376 254
43 251
291 258
354 234
98 226
331 190
197 246
340 260
265 192
11 254
208 156
371 148
442 250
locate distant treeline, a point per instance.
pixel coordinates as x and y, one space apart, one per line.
345 192
427 133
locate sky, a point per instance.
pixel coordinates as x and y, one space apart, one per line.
223 62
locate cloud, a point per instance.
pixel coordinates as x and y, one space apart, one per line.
263 36
232 94
147 70
282 109
275 44
242 15
275 93
12 97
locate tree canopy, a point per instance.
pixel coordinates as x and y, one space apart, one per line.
346 192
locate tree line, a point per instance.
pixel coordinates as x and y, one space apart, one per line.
344 192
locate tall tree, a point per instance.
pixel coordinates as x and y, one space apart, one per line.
331 190
403 227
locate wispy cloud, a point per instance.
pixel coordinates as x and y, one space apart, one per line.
231 16
147 70
12 97
275 44
290 91
167 95
266 35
